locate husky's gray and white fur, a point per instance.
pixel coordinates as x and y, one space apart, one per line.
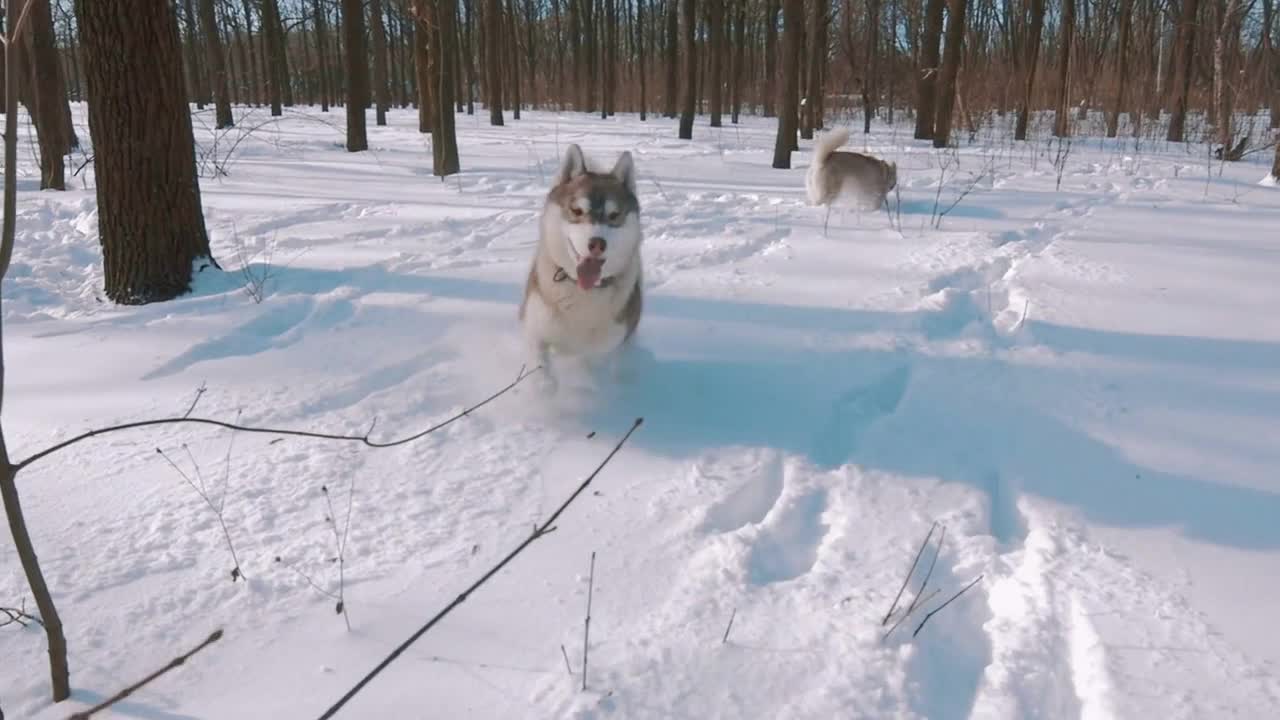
583 294
835 171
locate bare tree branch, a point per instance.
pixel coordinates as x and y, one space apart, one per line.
364 439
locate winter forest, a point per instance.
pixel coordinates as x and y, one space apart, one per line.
640 359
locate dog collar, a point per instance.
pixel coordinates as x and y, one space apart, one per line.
561 276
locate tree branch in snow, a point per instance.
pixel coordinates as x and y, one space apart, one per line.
938 609
19 616
942 537
910 571
586 625
176 662
363 439
538 532
729 627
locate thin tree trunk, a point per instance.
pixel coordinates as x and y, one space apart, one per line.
673 58
217 64
270 15
196 81
493 60
1122 66
1184 60
642 70
928 69
869 88
322 59
444 140
739 59
1223 54
789 95
1031 61
817 18
769 94
357 65
690 95
378 36
422 64
950 72
715 31
1066 37
511 55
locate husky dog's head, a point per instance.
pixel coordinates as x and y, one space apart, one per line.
592 220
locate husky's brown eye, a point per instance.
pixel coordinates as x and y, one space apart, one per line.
577 211
613 216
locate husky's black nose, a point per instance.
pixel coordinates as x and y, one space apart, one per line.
597 245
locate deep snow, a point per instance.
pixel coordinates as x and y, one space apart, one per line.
1081 382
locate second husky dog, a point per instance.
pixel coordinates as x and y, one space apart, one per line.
583 293
833 171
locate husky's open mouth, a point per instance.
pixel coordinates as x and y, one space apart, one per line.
588 269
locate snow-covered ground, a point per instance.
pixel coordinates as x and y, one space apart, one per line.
1080 382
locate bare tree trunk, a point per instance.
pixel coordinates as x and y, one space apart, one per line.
817 18
673 58
217 64
511 52
444 141
357 63
423 71
270 19
150 220
1275 164
1224 46
737 74
1031 61
869 89
1184 60
255 90
789 97
769 94
378 36
715 31
197 79
46 95
322 61
1122 65
493 60
642 70
1062 113
950 71
927 71
690 97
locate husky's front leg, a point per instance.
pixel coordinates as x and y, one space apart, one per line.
539 354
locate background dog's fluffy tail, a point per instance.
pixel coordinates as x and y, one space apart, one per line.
828 143
822 148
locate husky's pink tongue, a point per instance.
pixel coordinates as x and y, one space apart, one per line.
589 272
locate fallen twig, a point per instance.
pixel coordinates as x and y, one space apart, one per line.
911 571
586 625
938 609
181 659
538 532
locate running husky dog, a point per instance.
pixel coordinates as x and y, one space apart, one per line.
583 294
833 171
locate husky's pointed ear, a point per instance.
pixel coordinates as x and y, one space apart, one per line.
573 165
625 171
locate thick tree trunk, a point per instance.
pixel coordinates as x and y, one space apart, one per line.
689 103
1066 36
1122 66
927 71
357 64
1030 61
789 95
150 220
816 51
217 64
1224 52
493 60
1275 164
255 90
1184 59
950 71
715 31
378 37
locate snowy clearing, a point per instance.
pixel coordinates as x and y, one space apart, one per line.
1082 383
